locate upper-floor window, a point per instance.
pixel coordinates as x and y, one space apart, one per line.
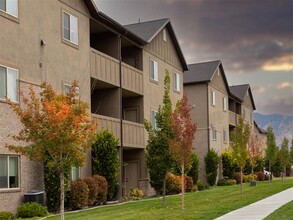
224 103
9 7
9 177
154 71
225 136
164 35
66 90
176 81
70 28
213 97
153 119
75 173
214 133
8 83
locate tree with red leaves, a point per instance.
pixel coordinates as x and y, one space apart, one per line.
183 131
57 129
254 150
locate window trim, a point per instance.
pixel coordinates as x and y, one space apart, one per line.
17 82
18 173
63 39
224 103
213 97
71 173
164 35
156 73
176 86
225 136
2 12
153 123
214 132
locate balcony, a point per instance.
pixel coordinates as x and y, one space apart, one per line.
232 118
133 133
106 68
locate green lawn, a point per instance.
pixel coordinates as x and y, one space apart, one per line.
285 212
207 204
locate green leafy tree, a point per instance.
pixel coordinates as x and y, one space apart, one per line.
212 164
228 164
57 129
291 151
158 157
193 170
180 142
240 136
105 161
284 156
271 150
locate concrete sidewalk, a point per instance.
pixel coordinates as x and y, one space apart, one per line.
261 209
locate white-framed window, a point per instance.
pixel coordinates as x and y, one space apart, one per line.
176 81
75 173
224 103
214 133
70 28
213 97
9 83
154 70
9 7
164 35
66 90
225 135
153 118
9 172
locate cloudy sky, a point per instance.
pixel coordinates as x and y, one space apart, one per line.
254 40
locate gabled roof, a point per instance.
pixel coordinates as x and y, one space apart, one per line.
262 131
100 16
201 72
240 92
148 31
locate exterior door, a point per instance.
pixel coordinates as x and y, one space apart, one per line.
131 175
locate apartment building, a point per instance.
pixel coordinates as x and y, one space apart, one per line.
217 107
120 73
207 89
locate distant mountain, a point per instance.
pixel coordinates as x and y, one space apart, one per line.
282 125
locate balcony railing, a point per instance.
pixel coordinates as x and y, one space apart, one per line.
232 118
106 68
133 133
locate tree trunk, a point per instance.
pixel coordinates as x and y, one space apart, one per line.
61 175
182 186
284 173
241 180
164 191
252 173
269 173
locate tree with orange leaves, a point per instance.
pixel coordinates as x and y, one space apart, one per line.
57 129
254 150
183 131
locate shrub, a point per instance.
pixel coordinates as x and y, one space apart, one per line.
105 159
31 209
102 189
228 164
222 182
136 193
93 190
6 216
260 176
249 177
237 176
189 184
211 161
79 194
202 186
231 182
193 171
173 184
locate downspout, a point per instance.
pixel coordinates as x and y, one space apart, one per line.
208 115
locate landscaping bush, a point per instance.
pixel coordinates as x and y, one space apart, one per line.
189 184
231 182
193 171
202 186
135 194
260 176
31 209
173 184
228 164
93 190
249 177
105 160
79 194
211 161
102 189
237 176
6 216
222 182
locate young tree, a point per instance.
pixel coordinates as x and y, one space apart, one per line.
193 171
57 129
284 156
158 157
291 151
105 161
254 150
212 163
271 150
240 136
183 131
